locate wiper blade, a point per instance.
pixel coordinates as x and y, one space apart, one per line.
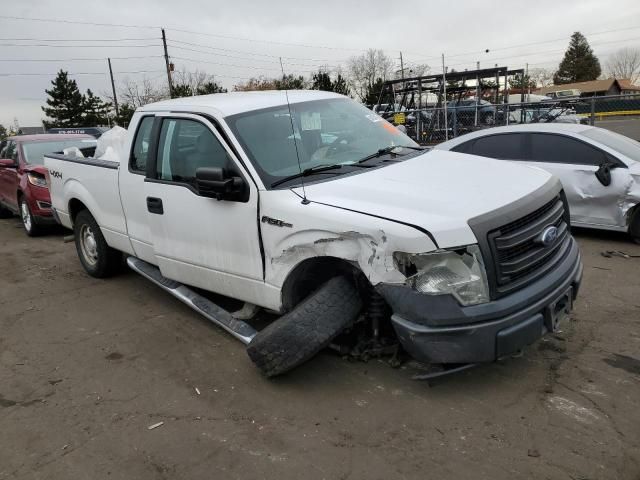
306 172
387 150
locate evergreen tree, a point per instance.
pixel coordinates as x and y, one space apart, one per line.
3 132
96 110
322 81
210 87
290 82
65 103
182 90
372 92
126 111
579 63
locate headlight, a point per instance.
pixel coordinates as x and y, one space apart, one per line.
37 180
458 272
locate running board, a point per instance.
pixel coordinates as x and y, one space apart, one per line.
239 329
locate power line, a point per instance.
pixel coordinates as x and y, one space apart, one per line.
74 22
75 59
77 39
73 46
70 73
250 53
252 67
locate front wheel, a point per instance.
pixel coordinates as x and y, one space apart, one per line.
30 226
97 257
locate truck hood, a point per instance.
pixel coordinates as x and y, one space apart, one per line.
438 191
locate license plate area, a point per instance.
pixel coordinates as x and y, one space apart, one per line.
557 311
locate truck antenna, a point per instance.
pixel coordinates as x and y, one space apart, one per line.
293 132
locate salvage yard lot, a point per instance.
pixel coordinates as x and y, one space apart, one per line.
87 365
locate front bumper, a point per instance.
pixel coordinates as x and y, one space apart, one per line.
436 329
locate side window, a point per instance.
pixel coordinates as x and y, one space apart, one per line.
140 152
508 146
10 151
186 145
465 147
561 149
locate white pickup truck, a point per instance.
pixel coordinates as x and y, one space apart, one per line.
309 205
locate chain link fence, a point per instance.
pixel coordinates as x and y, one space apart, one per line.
435 124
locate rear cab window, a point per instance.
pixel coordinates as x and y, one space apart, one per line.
141 144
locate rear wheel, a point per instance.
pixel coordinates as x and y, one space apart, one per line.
97 257
28 222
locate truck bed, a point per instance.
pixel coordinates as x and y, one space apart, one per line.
92 182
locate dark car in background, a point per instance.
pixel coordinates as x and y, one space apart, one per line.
465 111
23 182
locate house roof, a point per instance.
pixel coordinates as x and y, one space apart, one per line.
585 87
625 84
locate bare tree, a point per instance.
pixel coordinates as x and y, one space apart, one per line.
542 77
364 70
413 70
138 94
194 81
625 63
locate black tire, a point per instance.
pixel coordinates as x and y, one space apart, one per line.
5 212
300 334
28 221
101 261
634 225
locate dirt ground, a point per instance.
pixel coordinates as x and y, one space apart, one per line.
86 366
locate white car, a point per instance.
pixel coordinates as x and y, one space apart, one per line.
310 205
599 169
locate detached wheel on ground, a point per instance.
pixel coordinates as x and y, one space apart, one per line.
300 334
28 222
96 256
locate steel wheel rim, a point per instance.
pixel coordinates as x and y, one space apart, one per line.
88 245
26 215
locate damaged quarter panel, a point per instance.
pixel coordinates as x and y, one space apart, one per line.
323 231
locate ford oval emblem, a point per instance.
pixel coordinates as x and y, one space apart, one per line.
548 236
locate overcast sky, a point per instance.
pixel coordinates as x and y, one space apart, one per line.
239 39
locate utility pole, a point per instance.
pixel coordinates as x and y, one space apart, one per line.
446 106
168 65
113 88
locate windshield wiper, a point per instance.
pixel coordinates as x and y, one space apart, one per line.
306 172
387 150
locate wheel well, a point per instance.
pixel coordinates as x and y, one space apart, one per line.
75 207
308 275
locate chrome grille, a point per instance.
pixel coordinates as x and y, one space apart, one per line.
518 253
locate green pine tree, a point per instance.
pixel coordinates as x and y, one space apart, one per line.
65 103
126 111
579 63
210 87
322 81
96 110
373 92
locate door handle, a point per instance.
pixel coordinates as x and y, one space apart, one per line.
154 205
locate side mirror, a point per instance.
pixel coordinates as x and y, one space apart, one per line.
219 183
603 174
8 163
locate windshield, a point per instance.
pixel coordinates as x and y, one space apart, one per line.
625 145
327 132
34 151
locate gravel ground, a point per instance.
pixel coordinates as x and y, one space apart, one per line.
86 366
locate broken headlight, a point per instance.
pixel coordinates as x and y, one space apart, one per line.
458 272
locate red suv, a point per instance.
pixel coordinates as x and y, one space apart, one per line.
23 184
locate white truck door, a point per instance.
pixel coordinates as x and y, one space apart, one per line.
132 194
198 240
575 163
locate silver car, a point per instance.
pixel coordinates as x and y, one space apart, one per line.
599 169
